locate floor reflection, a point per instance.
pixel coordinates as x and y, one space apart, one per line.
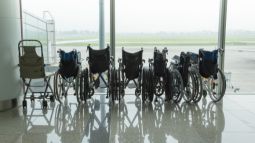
128 121
169 122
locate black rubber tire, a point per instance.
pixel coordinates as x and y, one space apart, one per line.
198 86
150 86
189 90
81 86
177 86
86 88
24 104
168 86
45 104
52 98
144 84
222 78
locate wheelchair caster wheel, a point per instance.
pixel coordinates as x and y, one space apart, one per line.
137 92
32 98
204 93
24 104
44 104
52 98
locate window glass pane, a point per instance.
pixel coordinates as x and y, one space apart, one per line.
240 41
179 25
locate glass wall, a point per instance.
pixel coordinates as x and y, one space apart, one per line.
36 28
179 25
240 46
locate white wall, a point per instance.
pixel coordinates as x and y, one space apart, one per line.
10 85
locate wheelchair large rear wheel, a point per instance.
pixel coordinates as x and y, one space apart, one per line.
77 87
217 86
198 86
85 84
59 88
144 84
150 86
189 89
168 86
177 86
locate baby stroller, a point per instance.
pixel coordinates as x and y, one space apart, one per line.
100 68
67 75
32 68
157 76
130 69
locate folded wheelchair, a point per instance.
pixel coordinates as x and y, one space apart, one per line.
100 69
32 69
155 79
214 81
130 69
184 67
67 75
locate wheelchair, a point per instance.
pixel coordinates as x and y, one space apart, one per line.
32 69
154 79
100 68
187 76
67 75
130 69
214 81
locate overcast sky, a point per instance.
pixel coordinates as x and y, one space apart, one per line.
147 15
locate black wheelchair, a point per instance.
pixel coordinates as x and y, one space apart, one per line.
67 75
154 79
189 85
214 81
100 68
130 69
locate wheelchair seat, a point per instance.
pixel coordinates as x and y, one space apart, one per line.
132 64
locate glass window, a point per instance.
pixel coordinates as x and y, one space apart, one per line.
240 41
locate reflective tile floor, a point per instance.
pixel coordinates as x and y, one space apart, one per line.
132 122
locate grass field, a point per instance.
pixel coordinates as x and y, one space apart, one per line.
160 39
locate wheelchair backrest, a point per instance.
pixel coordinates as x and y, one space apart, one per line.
99 60
68 63
159 64
208 62
31 65
132 63
184 67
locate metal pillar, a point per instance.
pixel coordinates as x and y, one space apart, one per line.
101 24
222 36
112 28
222 33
